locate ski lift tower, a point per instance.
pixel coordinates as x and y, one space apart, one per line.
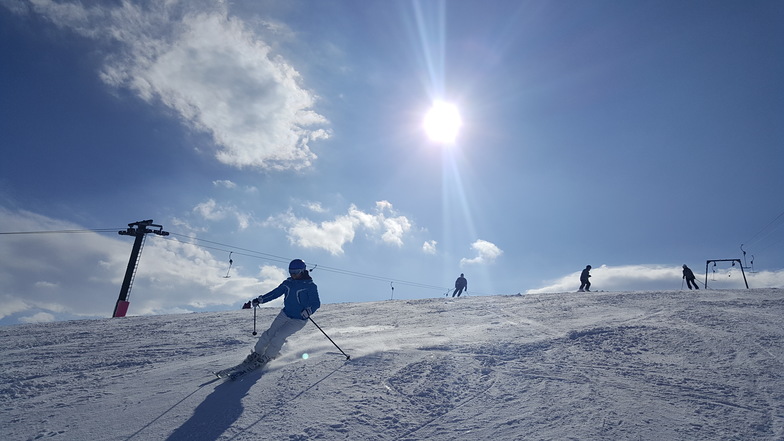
744 260
725 260
139 230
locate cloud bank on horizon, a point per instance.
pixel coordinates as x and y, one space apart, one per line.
652 277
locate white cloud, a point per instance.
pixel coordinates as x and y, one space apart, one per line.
213 211
184 225
224 183
395 229
332 235
328 235
211 69
75 279
209 210
367 220
41 317
384 206
763 279
271 277
11 304
315 207
487 253
429 247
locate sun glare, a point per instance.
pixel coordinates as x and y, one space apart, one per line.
442 122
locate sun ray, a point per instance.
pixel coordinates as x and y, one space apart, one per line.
442 124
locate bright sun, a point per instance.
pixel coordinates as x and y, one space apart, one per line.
442 122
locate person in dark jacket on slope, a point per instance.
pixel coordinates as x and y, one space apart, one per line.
585 284
300 300
460 284
688 274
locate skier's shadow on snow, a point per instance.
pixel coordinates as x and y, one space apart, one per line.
219 411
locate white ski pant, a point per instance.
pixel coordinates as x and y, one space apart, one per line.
272 340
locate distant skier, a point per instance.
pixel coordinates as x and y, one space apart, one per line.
585 284
300 300
460 284
688 274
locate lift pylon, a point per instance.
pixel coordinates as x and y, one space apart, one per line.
139 230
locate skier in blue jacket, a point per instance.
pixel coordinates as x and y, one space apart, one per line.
300 300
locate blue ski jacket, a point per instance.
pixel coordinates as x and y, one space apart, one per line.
300 294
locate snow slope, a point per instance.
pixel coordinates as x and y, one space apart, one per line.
704 365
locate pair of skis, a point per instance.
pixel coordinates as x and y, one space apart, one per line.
239 370
243 368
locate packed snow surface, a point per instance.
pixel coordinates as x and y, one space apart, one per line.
676 365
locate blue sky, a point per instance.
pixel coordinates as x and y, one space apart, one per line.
632 136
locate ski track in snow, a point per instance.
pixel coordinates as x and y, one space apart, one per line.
629 365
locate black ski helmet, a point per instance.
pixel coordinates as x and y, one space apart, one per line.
296 266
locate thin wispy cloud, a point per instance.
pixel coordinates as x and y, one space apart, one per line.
224 183
213 211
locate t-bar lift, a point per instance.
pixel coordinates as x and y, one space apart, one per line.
733 264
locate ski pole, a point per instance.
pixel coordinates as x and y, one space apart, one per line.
254 320
348 357
682 283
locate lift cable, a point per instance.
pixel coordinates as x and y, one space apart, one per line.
273 257
766 231
96 230
245 252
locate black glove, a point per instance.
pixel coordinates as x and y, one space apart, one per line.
306 313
